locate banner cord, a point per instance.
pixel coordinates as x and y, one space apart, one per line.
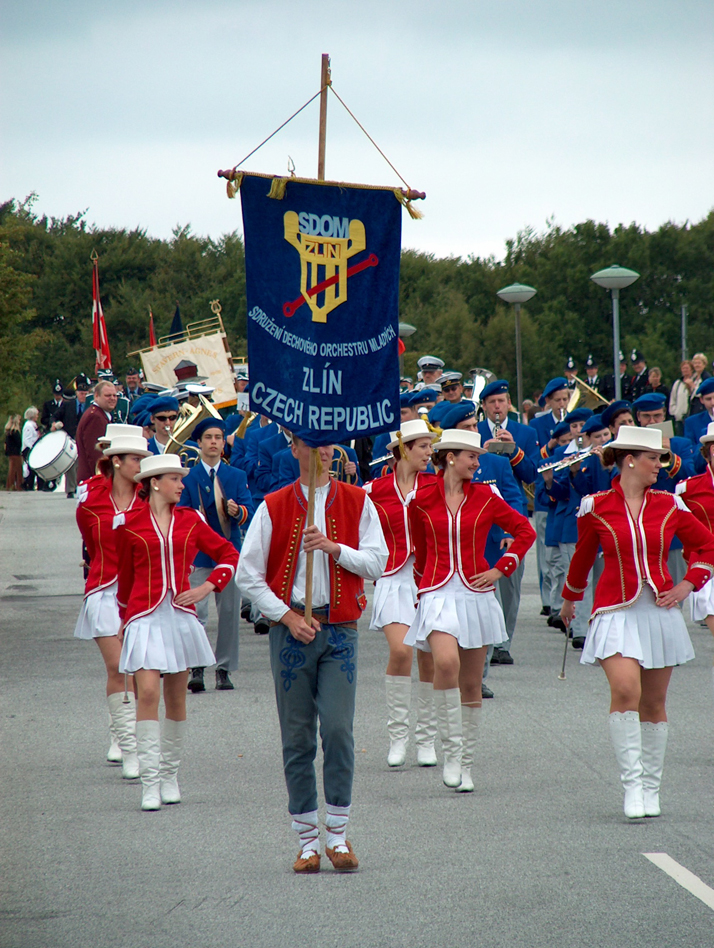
272 134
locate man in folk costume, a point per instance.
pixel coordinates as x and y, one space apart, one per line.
314 664
221 494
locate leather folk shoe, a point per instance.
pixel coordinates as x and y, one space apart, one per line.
223 682
195 682
342 862
307 862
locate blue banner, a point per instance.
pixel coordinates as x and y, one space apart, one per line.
322 283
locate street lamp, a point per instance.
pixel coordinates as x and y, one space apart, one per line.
405 329
517 293
614 279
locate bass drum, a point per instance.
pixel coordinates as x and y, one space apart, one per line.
53 455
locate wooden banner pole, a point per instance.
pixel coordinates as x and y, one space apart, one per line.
314 456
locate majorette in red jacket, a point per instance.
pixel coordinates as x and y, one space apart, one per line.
151 566
96 514
698 494
635 550
445 544
392 507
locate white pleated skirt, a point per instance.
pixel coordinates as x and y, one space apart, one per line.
701 602
656 637
394 598
474 619
99 615
168 639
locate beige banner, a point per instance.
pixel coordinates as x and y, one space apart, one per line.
209 354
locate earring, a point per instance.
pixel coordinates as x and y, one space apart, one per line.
156 486
451 463
630 464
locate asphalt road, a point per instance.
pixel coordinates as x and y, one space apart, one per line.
539 855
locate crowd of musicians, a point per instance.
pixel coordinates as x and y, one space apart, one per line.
439 515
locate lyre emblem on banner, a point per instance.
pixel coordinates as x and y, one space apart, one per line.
324 252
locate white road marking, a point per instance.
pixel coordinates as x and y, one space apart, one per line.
683 876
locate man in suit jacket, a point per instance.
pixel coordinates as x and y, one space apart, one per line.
92 426
50 408
220 492
67 418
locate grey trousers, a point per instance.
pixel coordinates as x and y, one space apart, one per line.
228 608
539 520
316 682
557 570
508 593
583 610
70 479
676 566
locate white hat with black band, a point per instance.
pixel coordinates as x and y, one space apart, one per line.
456 439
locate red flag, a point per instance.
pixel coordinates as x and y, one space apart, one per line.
152 334
103 358
401 348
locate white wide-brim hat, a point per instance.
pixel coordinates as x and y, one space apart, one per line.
455 439
630 438
127 444
709 435
120 431
157 464
410 431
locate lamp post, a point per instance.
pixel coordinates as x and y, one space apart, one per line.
614 279
517 293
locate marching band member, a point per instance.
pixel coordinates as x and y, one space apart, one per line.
570 372
458 615
395 594
592 377
640 380
314 664
635 633
696 425
698 495
452 387
430 368
607 386
158 542
220 492
102 499
407 411
547 495
164 415
493 469
555 398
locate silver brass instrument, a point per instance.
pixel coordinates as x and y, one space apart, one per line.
575 458
189 417
500 447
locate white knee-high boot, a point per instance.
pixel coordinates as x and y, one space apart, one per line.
471 718
148 749
123 716
172 738
425 730
399 693
448 716
114 752
654 745
626 738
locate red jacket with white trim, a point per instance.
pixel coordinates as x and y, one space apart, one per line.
445 544
96 513
392 507
152 566
698 494
635 550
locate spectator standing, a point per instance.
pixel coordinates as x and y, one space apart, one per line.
30 434
655 384
699 365
50 408
13 452
679 396
92 425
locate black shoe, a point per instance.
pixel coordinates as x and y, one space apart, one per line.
504 657
261 626
245 612
555 622
545 611
70 495
496 656
195 683
578 641
486 691
223 682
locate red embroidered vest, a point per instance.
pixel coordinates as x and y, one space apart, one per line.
288 512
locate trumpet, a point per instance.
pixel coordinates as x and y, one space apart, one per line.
339 466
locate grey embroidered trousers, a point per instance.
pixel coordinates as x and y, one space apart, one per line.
316 682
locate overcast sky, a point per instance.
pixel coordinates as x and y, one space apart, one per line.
506 112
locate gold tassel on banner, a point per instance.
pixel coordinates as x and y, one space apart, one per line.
234 183
405 202
402 449
318 463
277 188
